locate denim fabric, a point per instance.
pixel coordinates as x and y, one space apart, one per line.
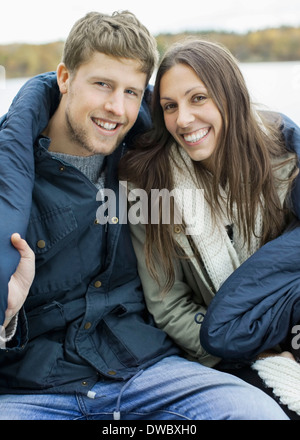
172 389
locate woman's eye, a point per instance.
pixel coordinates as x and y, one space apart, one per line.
199 98
170 106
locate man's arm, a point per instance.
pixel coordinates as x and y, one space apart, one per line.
19 128
291 134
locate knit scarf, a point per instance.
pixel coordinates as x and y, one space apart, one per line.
220 254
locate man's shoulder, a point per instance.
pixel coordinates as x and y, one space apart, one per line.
144 120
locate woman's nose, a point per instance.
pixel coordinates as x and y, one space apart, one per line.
185 117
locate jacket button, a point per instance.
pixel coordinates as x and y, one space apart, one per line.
177 229
84 383
112 373
87 325
97 284
41 244
115 220
61 168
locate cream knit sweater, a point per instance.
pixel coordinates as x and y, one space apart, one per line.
220 255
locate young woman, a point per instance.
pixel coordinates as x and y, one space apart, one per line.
207 136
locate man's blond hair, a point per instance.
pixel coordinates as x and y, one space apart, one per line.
120 35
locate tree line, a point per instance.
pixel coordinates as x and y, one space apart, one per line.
274 44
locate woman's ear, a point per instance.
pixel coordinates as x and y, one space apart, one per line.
63 76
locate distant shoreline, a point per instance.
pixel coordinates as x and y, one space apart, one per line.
264 80
266 45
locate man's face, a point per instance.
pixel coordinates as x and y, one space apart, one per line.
100 104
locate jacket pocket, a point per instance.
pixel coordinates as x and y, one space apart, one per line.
52 236
139 344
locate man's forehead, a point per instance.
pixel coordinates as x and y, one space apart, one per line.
111 68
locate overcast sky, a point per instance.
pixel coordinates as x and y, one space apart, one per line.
36 21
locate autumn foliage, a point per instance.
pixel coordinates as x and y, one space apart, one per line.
278 44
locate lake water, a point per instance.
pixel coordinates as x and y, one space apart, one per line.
275 86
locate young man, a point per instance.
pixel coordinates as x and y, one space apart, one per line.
85 346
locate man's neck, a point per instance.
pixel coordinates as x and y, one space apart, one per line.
56 132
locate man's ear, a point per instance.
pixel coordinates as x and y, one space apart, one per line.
63 76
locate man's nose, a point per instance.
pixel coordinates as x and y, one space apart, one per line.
115 104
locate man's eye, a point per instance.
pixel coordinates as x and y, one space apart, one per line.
131 92
102 84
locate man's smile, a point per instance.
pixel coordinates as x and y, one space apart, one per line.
110 126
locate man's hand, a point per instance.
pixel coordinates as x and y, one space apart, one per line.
21 280
272 353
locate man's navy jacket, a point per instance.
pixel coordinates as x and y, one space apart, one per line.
85 315
259 304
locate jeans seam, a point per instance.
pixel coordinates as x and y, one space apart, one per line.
81 405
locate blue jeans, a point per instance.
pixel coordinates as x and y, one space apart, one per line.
172 389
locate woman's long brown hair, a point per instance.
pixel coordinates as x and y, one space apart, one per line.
243 158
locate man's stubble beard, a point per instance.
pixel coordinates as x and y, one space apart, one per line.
78 137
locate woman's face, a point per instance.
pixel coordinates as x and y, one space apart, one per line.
190 115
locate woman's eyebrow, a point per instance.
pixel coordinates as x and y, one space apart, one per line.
186 93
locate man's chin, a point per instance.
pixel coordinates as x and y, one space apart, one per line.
105 150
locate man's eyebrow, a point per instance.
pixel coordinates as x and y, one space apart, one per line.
136 89
97 78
